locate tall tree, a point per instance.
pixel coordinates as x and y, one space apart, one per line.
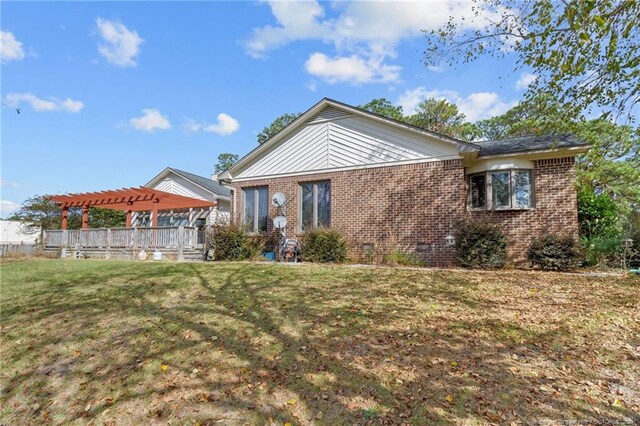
384 107
438 115
38 212
584 53
278 124
225 161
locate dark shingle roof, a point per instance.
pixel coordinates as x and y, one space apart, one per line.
529 143
207 183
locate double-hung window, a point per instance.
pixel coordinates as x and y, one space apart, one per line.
256 208
315 208
501 189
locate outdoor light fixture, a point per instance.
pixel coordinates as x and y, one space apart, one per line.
449 239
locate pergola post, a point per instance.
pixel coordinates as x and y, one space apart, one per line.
154 217
128 219
85 217
65 217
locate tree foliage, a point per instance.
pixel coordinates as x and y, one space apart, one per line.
438 115
384 107
106 218
278 124
597 214
225 161
40 212
585 53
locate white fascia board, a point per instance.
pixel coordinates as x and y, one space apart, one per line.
542 153
159 176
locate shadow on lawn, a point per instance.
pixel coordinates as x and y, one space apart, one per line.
335 349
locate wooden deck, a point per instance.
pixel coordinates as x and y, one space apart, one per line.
175 239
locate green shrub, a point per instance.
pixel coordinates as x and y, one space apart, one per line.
323 245
397 257
229 242
555 253
597 215
479 243
601 251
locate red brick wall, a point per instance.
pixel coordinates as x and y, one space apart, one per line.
399 207
556 207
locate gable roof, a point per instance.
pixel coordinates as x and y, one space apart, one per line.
461 146
525 144
208 184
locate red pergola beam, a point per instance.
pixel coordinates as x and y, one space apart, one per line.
128 200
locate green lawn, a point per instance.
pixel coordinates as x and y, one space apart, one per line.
113 342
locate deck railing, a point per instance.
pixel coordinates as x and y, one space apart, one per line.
169 237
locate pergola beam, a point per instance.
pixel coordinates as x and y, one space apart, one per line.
128 200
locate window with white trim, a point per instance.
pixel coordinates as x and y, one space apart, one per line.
501 190
315 205
256 208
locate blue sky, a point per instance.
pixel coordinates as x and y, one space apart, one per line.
111 93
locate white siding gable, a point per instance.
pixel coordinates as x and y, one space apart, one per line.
178 185
334 139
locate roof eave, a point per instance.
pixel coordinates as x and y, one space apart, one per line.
564 150
168 170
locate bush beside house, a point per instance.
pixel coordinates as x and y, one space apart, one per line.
479 243
555 253
323 245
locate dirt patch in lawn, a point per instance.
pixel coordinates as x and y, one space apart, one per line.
113 342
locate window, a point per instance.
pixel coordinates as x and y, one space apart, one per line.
478 188
504 189
522 191
256 209
315 208
500 190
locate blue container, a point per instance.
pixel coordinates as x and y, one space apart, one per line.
270 255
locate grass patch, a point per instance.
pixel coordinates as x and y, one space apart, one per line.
114 342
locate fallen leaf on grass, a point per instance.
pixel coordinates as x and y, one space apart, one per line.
449 398
164 367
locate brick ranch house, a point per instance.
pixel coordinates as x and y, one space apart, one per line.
392 186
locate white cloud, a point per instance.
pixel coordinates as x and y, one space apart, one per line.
7 208
350 69
225 125
364 34
121 45
525 80
476 106
7 184
150 121
42 105
10 48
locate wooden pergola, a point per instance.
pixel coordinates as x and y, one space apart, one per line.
128 200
